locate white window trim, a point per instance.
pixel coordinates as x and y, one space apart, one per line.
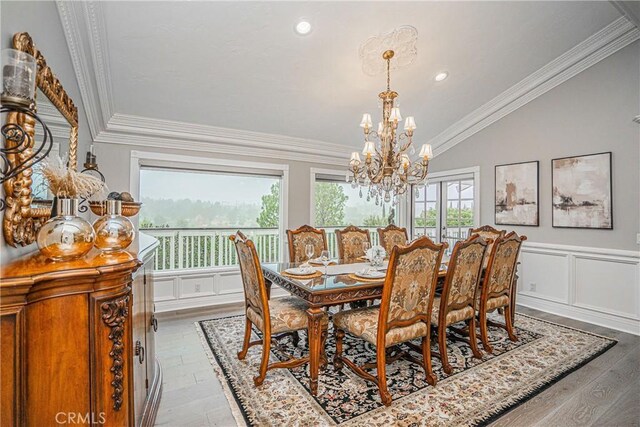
314 172
444 176
138 159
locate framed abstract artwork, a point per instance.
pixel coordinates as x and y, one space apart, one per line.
517 194
582 191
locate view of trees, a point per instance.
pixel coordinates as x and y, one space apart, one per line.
428 218
187 213
330 204
270 211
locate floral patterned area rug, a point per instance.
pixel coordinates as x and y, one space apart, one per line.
477 392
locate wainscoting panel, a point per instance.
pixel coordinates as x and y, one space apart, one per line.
180 290
541 272
607 285
595 285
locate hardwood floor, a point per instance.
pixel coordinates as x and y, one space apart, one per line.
605 392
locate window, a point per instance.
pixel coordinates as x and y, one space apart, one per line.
193 213
336 204
446 208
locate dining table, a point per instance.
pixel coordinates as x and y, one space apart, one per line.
338 284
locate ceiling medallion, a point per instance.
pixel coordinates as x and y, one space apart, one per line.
387 170
402 41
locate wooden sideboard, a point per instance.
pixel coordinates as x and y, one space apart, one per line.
77 340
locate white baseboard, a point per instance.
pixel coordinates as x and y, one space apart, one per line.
594 285
601 319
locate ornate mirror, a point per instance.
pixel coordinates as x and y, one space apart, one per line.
27 202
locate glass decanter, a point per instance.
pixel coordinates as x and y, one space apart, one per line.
65 236
114 232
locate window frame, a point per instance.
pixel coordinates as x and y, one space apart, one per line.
437 177
140 159
340 175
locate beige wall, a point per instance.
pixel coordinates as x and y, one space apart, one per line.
590 113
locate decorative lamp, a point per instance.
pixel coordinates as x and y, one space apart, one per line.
410 124
425 152
355 158
366 121
369 149
388 171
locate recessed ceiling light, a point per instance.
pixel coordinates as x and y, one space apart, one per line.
441 76
303 27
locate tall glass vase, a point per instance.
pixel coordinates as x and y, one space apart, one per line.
65 236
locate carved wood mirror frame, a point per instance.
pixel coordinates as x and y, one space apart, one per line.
22 220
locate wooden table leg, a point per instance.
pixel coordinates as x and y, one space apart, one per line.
315 334
268 286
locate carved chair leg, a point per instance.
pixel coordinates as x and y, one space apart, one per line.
264 363
337 358
385 396
484 332
508 319
245 343
442 347
426 360
473 340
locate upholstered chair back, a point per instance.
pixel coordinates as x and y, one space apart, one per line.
299 239
410 284
350 242
463 274
490 234
502 264
255 290
391 236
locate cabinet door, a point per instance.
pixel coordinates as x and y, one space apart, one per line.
139 355
11 338
151 323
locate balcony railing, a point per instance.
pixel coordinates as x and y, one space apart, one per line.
192 248
181 248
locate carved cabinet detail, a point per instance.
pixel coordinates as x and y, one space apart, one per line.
67 337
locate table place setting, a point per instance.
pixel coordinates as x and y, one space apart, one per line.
369 274
302 272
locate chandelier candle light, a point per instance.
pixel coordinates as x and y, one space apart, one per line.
387 170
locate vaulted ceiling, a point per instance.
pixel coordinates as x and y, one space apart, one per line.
240 65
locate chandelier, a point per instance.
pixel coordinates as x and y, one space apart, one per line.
388 170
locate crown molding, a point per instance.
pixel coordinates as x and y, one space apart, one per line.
595 48
623 8
126 129
85 34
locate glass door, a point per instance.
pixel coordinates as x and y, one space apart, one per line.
458 208
444 210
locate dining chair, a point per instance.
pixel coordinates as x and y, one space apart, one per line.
498 285
490 234
284 316
350 242
391 236
299 239
404 313
457 301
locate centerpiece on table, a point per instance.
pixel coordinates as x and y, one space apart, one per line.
376 254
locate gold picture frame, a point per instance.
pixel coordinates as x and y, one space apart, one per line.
22 219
